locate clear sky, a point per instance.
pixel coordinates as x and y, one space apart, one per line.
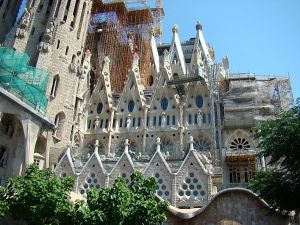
259 36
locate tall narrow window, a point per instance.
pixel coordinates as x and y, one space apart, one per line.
67 50
173 120
67 10
168 120
75 13
154 121
58 43
139 121
57 9
133 122
101 123
106 123
59 124
121 122
49 7
81 20
159 120
147 122
89 124
195 119
190 119
204 118
54 86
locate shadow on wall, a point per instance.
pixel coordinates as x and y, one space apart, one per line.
234 206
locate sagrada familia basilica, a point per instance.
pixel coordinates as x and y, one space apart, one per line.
86 88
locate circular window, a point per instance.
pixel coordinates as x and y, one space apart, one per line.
188 180
163 187
164 103
199 101
82 192
239 144
92 175
99 108
160 181
181 193
195 193
159 193
167 193
157 175
202 193
202 145
130 106
89 181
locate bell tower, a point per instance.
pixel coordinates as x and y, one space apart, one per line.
53 33
8 13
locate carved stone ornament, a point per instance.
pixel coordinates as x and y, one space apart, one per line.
44 47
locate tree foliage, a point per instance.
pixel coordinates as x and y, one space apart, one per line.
40 198
280 143
121 204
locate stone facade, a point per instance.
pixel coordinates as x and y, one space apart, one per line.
191 128
230 207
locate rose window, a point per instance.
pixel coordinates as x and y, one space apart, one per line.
201 145
239 144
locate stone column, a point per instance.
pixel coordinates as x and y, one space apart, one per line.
31 131
110 129
181 126
145 129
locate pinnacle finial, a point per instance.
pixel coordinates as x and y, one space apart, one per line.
96 145
126 145
175 28
191 142
158 143
198 26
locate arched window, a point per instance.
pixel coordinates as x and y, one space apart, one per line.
54 86
59 125
164 103
199 101
67 10
57 8
58 43
130 106
75 12
99 107
81 20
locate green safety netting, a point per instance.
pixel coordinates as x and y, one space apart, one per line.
26 82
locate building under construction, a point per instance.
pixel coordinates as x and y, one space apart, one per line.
117 31
117 100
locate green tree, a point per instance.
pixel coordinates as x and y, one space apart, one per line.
279 141
122 204
38 197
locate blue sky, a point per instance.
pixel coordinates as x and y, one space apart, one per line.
259 36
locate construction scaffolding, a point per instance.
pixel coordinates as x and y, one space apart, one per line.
118 32
249 98
26 82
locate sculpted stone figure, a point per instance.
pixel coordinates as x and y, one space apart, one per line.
25 20
128 122
82 86
163 120
199 118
